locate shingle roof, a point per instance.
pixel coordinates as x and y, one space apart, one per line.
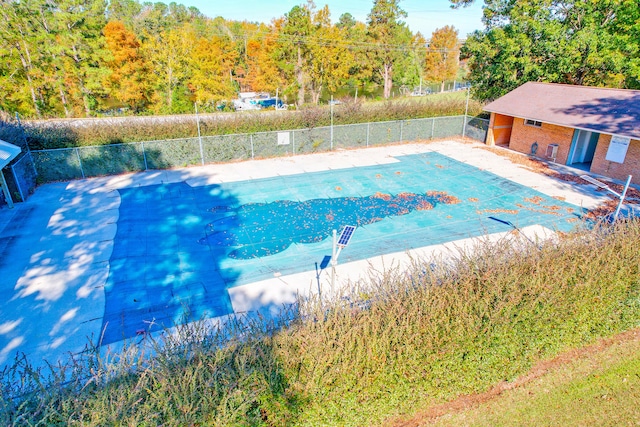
610 111
7 153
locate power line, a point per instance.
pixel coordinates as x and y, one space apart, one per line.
326 42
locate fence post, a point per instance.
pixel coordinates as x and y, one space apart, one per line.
195 104
26 143
5 189
368 133
15 177
251 140
293 141
401 138
80 162
331 107
466 112
433 126
144 157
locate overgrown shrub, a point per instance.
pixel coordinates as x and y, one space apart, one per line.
11 131
405 339
84 132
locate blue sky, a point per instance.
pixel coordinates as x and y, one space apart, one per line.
423 15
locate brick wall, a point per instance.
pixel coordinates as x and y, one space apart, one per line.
619 171
503 129
500 129
523 136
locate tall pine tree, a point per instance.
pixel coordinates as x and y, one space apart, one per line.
386 31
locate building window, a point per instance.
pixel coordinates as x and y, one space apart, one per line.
535 123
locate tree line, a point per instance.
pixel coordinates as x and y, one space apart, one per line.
582 42
75 58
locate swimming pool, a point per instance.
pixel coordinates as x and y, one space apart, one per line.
178 249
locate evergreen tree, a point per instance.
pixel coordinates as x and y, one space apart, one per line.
294 47
21 58
78 30
125 11
386 31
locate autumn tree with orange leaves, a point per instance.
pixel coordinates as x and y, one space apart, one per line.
261 73
128 77
211 65
443 55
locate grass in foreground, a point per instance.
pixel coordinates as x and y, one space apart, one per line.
597 387
425 337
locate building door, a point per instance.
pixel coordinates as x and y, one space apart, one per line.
583 147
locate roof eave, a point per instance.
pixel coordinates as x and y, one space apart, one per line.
636 137
11 150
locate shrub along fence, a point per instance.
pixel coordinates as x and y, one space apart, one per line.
83 162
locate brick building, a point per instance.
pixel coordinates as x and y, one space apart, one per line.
589 128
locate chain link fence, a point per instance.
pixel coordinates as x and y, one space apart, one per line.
83 162
24 176
476 128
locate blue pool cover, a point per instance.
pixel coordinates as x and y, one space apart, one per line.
179 248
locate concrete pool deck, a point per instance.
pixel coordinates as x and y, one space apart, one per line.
55 248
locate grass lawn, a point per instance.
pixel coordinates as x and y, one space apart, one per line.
597 385
457 96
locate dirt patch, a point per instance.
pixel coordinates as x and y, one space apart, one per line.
528 162
543 367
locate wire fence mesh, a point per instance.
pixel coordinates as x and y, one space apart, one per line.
477 128
82 162
24 176
61 164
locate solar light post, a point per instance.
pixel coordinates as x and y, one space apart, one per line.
512 225
338 245
606 187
